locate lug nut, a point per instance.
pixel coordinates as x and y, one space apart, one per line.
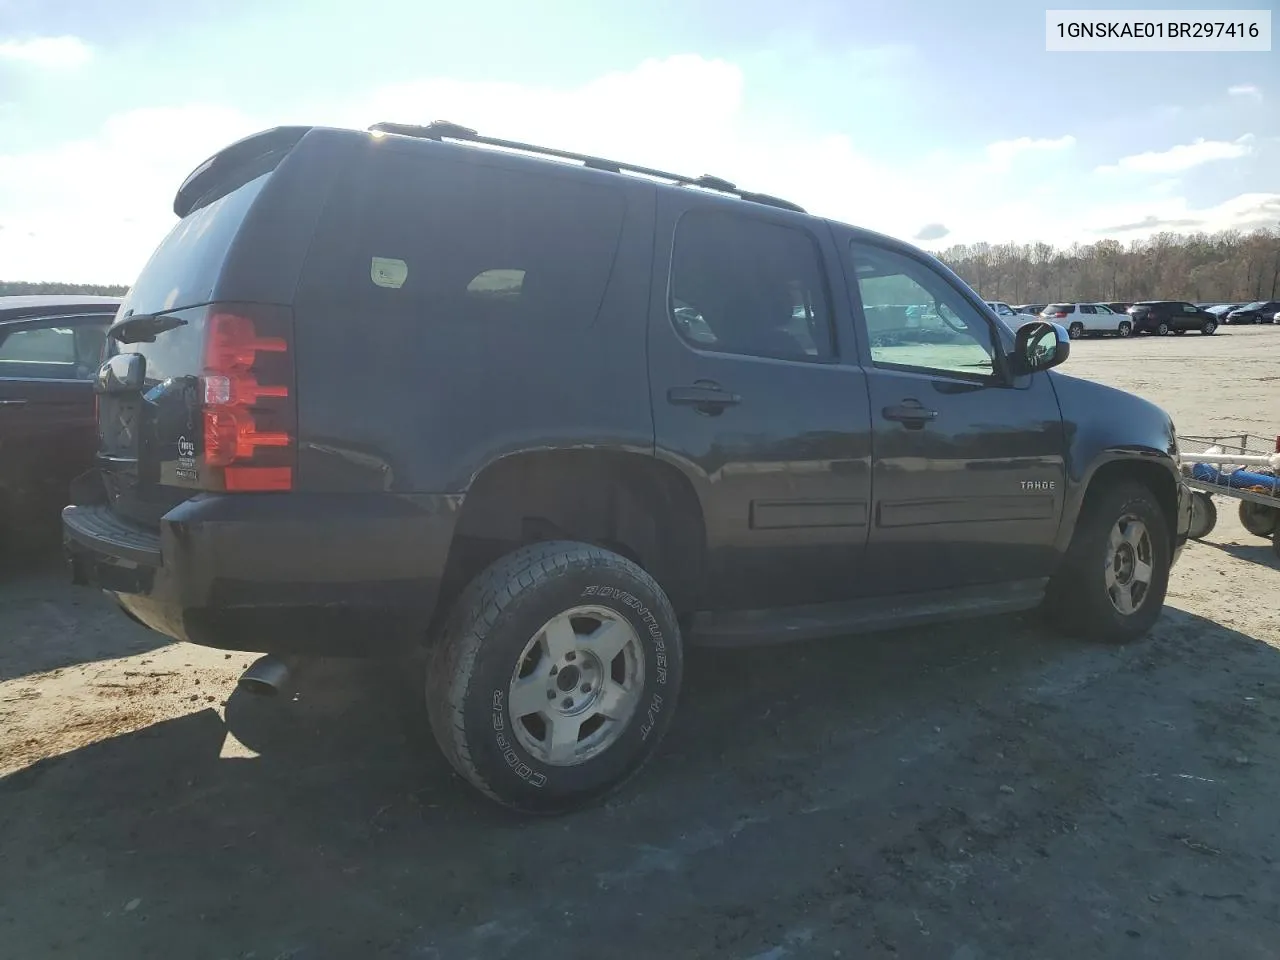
567 703
554 671
551 694
586 688
570 655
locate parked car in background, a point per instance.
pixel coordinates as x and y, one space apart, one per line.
1220 310
1260 311
50 349
1083 319
1119 307
1171 316
1012 317
1031 309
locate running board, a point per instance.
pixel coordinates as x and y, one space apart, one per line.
733 628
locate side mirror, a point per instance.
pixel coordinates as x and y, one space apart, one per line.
1039 345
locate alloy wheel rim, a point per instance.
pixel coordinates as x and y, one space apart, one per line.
1129 568
576 686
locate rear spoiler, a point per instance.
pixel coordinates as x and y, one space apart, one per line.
235 165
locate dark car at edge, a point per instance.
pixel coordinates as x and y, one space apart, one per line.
50 349
550 420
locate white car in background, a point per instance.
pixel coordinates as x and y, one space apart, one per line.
1082 319
1012 318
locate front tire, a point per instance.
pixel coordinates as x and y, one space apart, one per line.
1162 329
1113 580
555 676
1125 329
1208 328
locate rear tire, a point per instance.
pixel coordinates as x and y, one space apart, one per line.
1259 520
581 640
1204 515
1113 579
1209 328
1125 329
1076 330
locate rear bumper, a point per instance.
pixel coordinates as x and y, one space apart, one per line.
324 574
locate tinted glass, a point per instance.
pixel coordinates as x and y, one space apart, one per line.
1059 308
1088 308
746 286
433 241
185 266
916 320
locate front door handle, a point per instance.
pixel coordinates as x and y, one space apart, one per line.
910 413
13 403
705 396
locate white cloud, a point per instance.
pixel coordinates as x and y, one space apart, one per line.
1245 90
1002 153
51 52
92 209
1182 156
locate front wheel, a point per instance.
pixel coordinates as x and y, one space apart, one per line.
1208 328
1162 328
1125 329
555 676
1113 579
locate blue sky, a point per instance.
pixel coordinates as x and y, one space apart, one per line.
930 120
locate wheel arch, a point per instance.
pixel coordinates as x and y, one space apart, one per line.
1153 469
632 503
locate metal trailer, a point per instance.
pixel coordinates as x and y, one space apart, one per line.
1218 474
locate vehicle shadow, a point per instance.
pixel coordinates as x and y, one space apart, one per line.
347 834
48 623
1261 552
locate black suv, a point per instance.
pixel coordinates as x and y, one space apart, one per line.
554 419
1171 316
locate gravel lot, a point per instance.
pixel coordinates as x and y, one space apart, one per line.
980 791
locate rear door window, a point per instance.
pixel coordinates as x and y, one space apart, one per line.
62 348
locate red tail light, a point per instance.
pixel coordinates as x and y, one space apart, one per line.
250 415
1060 314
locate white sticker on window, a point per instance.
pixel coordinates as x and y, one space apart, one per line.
388 273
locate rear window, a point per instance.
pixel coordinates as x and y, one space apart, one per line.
184 268
1059 308
437 241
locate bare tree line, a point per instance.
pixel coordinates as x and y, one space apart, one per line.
1223 267
16 288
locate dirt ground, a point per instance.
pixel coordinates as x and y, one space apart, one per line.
979 791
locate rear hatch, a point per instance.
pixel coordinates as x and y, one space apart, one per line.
197 391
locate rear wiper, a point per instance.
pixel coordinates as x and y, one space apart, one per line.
143 327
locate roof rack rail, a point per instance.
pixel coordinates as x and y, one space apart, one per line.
443 130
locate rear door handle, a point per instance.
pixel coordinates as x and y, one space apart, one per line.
910 413
707 397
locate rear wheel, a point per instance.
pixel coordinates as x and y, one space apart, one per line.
1209 327
1113 579
1204 516
1076 330
1258 519
555 676
1125 329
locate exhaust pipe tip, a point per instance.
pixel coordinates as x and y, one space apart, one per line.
265 677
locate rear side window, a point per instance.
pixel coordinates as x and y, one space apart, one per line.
463 244
745 286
